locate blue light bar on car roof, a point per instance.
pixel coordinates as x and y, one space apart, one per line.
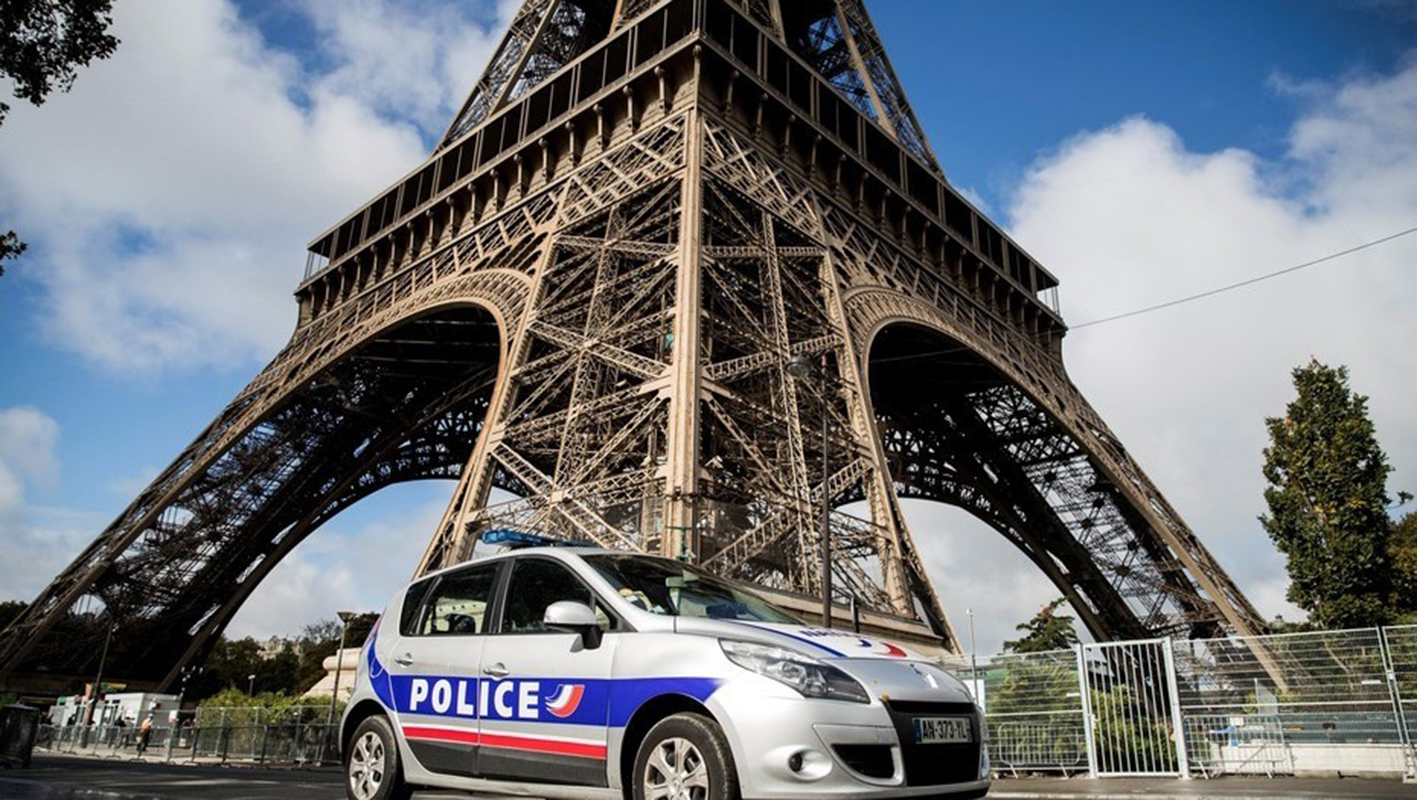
514 539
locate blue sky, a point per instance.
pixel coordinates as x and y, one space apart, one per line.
997 83
1139 150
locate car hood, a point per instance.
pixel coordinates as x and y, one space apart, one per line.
808 640
888 670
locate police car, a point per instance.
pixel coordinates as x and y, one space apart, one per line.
578 672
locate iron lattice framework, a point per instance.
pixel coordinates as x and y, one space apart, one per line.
588 296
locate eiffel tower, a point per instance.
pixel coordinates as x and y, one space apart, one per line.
589 296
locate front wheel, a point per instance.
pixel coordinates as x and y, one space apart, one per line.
685 757
371 766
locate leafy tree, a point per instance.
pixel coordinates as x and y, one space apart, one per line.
42 45
1327 497
1402 549
312 663
1127 729
326 630
321 640
279 674
9 610
10 247
1048 630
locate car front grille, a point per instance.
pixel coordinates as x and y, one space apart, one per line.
935 764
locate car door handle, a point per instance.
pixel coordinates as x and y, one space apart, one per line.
403 660
498 670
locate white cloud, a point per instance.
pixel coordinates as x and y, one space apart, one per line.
439 54
27 440
974 568
168 198
353 563
38 541
1129 216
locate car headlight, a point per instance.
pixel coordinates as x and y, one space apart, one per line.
810 677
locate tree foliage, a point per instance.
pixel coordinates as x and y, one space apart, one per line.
10 247
283 667
1048 630
9 610
1402 549
43 43
1327 497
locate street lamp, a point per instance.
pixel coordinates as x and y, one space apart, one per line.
973 663
801 367
251 685
344 618
97 686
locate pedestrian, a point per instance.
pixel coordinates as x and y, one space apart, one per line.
144 732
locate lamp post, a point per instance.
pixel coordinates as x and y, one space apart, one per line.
344 618
251 685
973 664
97 686
802 368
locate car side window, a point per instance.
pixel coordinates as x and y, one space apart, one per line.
412 604
537 583
458 605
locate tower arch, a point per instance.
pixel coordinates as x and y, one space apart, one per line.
969 421
400 396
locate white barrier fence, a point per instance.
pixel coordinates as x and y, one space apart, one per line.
1328 702
1324 702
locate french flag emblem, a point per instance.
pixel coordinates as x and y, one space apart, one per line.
566 700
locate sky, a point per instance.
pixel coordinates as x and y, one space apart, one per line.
1140 151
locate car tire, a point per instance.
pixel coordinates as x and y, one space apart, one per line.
688 755
372 770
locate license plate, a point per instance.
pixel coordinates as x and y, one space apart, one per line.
942 730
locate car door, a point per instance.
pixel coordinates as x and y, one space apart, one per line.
547 693
433 672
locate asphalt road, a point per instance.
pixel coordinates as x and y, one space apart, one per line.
72 778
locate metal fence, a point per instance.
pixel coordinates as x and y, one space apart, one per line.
296 735
1326 702
1322 702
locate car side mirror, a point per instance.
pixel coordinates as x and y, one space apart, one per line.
574 617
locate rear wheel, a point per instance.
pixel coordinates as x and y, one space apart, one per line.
684 757
371 766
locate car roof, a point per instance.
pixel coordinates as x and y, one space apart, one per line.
564 553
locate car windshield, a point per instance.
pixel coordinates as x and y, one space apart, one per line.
673 589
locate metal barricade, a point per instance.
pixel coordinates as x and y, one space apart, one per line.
1400 644
1322 701
1034 713
1135 728
1242 744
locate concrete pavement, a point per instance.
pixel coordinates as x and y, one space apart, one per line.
54 777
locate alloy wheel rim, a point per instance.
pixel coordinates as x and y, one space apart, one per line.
676 771
366 766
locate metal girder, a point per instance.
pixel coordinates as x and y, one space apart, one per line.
598 316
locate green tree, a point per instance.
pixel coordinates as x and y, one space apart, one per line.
1048 630
279 674
42 45
9 610
1327 497
1402 549
320 641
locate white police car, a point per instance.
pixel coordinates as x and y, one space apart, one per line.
575 672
